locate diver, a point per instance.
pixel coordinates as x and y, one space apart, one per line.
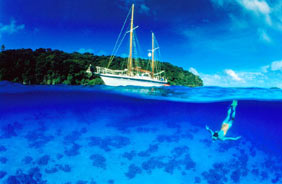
226 125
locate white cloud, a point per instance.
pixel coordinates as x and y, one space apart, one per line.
10 28
193 71
212 80
258 14
267 15
276 65
83 50
248 79
233 75
258 6
267 76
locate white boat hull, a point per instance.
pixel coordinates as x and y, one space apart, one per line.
117 80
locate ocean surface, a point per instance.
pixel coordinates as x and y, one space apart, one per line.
132 135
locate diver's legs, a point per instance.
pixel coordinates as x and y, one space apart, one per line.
233 107
228 115
233 113
230 122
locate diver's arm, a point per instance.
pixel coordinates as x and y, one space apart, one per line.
231 138
209 130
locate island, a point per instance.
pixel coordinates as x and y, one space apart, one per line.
50 67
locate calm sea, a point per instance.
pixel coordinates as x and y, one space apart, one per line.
118 135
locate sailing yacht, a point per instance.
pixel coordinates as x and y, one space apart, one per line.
133 76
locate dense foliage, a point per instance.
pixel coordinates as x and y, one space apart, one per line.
46 66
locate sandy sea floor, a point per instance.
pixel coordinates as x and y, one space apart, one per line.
68 147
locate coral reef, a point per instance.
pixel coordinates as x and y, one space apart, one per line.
179 159
65 168
51 170
2 148
27 160
11 130
133 170
59 156
197 179
145 130
74 136
271 164
73 150
43 160
264 175
168 138
165 151
2 174
98 161
237 167
152 149
252 151
276 179
216 175
235 176
188 162
171 165
179 151
32 177
3 160
110 142
255 172
129 155
152 163
37 139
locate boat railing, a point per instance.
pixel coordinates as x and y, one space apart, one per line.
103 70
141 75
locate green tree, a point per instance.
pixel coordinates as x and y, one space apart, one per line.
47 66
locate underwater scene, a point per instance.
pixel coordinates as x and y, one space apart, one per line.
129 135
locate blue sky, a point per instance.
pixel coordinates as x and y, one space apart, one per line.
226 42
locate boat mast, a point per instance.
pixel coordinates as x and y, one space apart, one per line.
153 50
129 67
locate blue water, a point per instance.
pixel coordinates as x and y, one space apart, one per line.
78 135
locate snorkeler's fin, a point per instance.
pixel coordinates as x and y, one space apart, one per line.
234 103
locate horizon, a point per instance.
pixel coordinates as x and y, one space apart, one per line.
227 43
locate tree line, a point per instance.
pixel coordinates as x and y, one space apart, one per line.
47 66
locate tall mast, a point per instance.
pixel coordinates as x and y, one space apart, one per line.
129 67
153 50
